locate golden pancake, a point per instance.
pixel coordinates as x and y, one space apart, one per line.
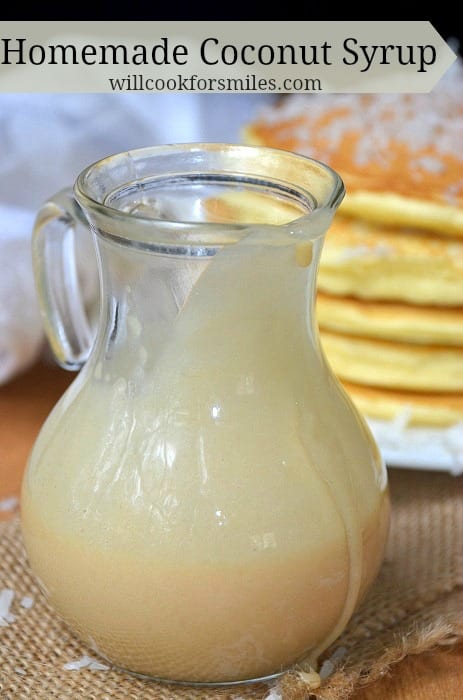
428 325
362 260
382 363
379 262
438 410
400 155
244 207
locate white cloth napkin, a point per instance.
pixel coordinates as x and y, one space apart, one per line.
21 335
46 140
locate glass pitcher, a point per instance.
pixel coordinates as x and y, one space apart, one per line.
204 504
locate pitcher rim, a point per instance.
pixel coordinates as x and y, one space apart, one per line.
91 204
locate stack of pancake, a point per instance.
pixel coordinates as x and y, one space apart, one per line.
390 285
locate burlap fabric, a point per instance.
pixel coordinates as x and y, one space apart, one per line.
415 604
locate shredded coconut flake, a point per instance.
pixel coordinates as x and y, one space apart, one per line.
85 662
311 678
330 665
274 695
338 655
363 251
27 602
6 599
326 669
401 421
9 504
432 165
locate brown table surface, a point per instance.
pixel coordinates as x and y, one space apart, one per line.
24 404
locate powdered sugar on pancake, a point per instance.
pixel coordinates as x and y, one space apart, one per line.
379 141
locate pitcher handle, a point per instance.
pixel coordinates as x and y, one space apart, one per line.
60 294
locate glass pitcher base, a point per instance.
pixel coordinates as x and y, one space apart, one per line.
202 684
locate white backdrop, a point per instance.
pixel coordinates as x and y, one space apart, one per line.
47 139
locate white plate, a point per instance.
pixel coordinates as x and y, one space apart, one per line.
436 449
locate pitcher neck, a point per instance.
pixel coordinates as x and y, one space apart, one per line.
154 301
